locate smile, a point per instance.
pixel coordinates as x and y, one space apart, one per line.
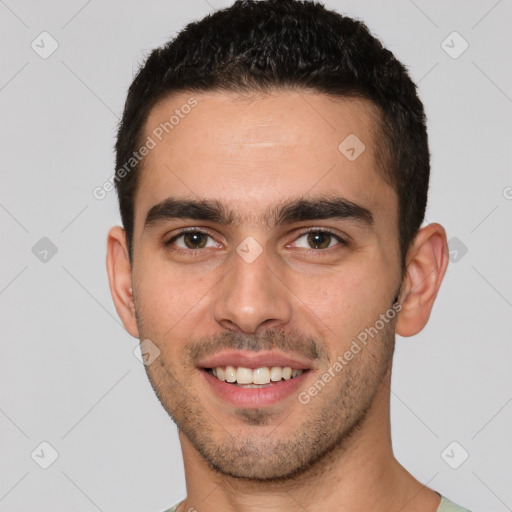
247 379
253 378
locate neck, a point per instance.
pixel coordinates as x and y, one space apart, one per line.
361 473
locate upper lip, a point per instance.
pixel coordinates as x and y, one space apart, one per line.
253 360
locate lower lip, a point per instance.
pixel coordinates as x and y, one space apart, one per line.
254 397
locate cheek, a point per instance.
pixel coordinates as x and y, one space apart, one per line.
333 301
341 303
171 300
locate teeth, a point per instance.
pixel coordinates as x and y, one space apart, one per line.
261 376
253 378
244 375
276 373
230 374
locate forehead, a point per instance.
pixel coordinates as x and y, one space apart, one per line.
253 152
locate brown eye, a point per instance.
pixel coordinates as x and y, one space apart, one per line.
195 240
319 239
191 240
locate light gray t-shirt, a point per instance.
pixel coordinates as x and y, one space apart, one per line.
445 506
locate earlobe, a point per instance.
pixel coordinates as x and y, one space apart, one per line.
120 278
427 260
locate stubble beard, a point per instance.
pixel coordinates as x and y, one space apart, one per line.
327 423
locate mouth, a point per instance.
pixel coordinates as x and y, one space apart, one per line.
250 380
254 378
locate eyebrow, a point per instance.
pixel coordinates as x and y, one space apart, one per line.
285 213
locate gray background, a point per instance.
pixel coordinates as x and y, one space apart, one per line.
69 376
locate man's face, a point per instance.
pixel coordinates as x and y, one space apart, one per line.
290 253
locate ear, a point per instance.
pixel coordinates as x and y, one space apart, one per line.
427 262
120 278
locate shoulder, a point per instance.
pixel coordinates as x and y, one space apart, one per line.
173 508
448 506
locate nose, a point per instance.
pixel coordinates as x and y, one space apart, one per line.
252 297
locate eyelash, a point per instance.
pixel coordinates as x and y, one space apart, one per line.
195 252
